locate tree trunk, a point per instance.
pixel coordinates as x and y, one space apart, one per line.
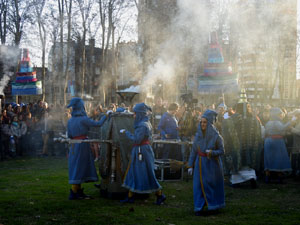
102 21
61 7
83 62
68 52
43 66
114 66
109 33
43 39
18 32
102 59
91 67
3 25
54 73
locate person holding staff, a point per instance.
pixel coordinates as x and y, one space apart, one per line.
81 163
140 176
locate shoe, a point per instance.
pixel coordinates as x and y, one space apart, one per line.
160 199
253 183
267 179
199 213
128 200
73 196
81 195
96 159
280 181
234 185
97 186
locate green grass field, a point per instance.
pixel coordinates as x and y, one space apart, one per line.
35 191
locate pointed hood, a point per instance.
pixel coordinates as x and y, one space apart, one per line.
141 110
210 115
77 105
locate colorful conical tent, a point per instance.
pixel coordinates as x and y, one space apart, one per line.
217 76
26 81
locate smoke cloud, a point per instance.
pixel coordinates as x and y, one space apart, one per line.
4 81
182 47
9 59
265 29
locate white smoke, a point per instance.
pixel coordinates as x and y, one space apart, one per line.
88 97
189 31
4 81
135 89
9 58
162 69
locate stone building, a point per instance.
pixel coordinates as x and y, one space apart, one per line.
175 35
154 28
267 52
94 87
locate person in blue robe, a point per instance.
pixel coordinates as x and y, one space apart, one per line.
205 158
140 176
81 163
276 158
168 127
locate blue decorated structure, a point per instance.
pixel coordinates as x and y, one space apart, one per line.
26 82
217 76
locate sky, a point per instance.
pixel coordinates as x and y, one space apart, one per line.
31 40
298 44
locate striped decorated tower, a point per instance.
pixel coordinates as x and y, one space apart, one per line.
217 76
26 81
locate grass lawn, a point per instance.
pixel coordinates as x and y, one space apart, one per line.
35 191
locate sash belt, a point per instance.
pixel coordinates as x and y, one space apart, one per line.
202 154
275 136
81 137
144 142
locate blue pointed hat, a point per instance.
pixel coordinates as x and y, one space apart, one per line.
210 115
76 103
141 108
275 113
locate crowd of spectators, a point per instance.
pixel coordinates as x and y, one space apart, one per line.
260 113
30 128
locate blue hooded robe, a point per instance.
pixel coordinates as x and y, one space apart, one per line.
208 179
140 176
276 157
168 125
81 163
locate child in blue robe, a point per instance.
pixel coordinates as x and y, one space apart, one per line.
81 163
205 158
140 176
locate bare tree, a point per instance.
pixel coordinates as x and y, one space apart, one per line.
3 20
103 17
85 8
111 12
39 8
69 13
20 14
106 11
61 11
53 59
